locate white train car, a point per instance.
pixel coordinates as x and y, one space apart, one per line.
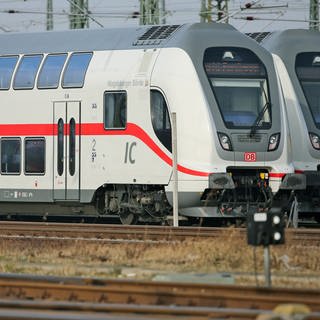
85 123
297 58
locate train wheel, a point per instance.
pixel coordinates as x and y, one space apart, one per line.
127 217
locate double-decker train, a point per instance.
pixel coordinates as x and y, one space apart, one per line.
86 115
297 58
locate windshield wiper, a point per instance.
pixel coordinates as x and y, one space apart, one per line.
259 118
255 125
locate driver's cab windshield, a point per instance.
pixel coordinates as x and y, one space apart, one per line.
239 82
308 72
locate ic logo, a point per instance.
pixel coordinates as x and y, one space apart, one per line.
128 154
250 157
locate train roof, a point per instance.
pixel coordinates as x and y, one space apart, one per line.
289 42
183 36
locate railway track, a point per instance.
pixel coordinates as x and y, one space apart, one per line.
42 297
145 298
114 233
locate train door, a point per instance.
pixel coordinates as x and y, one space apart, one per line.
66 151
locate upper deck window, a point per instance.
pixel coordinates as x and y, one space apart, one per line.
27 71
76 69
51 70
239 82
308 72
7 65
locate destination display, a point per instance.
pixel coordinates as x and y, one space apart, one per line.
234 69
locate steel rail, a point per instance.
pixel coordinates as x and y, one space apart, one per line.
157 312
95 232
83 311
27 287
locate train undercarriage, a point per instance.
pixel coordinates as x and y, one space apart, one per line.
306 203
133 203
237 193
230 197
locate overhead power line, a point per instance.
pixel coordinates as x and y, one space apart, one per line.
252 18
178 11
313 20
248 5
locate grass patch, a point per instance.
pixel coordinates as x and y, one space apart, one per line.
77 258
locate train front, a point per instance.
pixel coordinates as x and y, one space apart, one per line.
251 168
297 54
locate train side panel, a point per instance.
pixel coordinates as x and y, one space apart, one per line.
129 155
17 125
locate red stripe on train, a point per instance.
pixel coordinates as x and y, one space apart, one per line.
276 175
136 131
27 130
88 129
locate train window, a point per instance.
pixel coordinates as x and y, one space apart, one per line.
7 65
308 72
10 156
115 110
51 70
34 162
76 69
239 82
160 118
26 72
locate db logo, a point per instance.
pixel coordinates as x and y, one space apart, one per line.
250 156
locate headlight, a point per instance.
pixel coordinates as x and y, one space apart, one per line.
274 142
225 141
315 140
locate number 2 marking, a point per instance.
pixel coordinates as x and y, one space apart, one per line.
93 150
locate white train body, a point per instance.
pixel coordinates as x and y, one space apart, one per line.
103 128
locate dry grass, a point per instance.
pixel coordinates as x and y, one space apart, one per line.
291 265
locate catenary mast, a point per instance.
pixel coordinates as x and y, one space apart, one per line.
152 12
208 7
49 15
79 14
314 15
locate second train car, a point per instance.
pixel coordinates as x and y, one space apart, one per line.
85 125
297 59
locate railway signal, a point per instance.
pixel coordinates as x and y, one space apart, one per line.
265 229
